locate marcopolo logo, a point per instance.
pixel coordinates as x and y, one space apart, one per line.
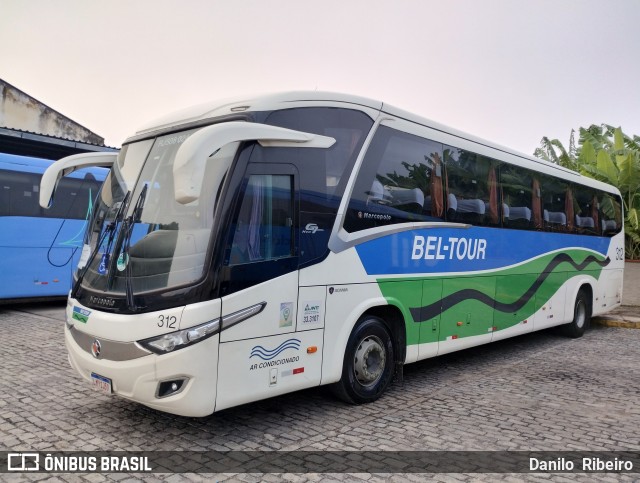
106 301
373 216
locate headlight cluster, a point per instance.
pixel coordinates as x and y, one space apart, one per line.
178 340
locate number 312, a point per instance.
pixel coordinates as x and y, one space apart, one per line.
168 321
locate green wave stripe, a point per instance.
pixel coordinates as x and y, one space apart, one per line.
471 317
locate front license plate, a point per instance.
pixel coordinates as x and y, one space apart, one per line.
100 383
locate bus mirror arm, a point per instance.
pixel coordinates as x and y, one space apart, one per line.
192 156
66 166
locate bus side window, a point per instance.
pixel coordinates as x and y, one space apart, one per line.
401 180
5 193
472 190
587 217
20 194
611 212
554 195
521 198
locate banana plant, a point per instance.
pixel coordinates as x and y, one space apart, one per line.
607 154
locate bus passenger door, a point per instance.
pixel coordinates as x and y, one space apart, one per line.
260 354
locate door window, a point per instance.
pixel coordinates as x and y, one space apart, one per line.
263 228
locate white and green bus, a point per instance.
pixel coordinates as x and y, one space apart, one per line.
250 248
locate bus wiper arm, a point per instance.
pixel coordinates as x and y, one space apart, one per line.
109 230
130 224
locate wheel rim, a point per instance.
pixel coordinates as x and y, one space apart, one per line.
369 360
581 313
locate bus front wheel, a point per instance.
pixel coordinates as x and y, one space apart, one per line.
368 362
581 316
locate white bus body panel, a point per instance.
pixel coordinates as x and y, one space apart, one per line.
259 368
138 379
277 317
345 305
123 328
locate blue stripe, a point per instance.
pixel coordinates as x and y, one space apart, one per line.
440 250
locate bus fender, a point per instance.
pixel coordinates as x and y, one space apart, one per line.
333 358
577 284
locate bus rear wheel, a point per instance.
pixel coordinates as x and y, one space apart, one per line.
581 316
368 362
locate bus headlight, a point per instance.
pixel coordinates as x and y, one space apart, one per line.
165 343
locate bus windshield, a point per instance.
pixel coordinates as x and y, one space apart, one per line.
141 239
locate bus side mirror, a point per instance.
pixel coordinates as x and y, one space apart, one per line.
66 166
192 156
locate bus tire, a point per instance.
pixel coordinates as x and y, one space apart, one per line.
581 316
368 362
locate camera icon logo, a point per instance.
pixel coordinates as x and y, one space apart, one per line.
23 462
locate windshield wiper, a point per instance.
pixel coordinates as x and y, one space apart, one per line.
109 230
129 225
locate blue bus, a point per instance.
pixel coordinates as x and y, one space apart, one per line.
39 248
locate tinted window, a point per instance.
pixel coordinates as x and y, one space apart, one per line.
587 211
263 228
20 196
611 214
73 197
323 173
557 205
401 180
472 191
521 198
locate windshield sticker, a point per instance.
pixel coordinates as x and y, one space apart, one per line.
122 261
84 257
81 315
104 263
286 309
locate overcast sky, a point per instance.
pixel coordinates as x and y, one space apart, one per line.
510 71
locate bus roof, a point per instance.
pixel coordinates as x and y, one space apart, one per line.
266 102
283 100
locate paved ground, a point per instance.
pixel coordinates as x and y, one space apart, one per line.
536 392
628 315
631 289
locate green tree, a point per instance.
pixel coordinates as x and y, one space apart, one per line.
553 150
607 154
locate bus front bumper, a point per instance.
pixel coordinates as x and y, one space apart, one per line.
139 379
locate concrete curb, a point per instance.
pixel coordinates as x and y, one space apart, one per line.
612 322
